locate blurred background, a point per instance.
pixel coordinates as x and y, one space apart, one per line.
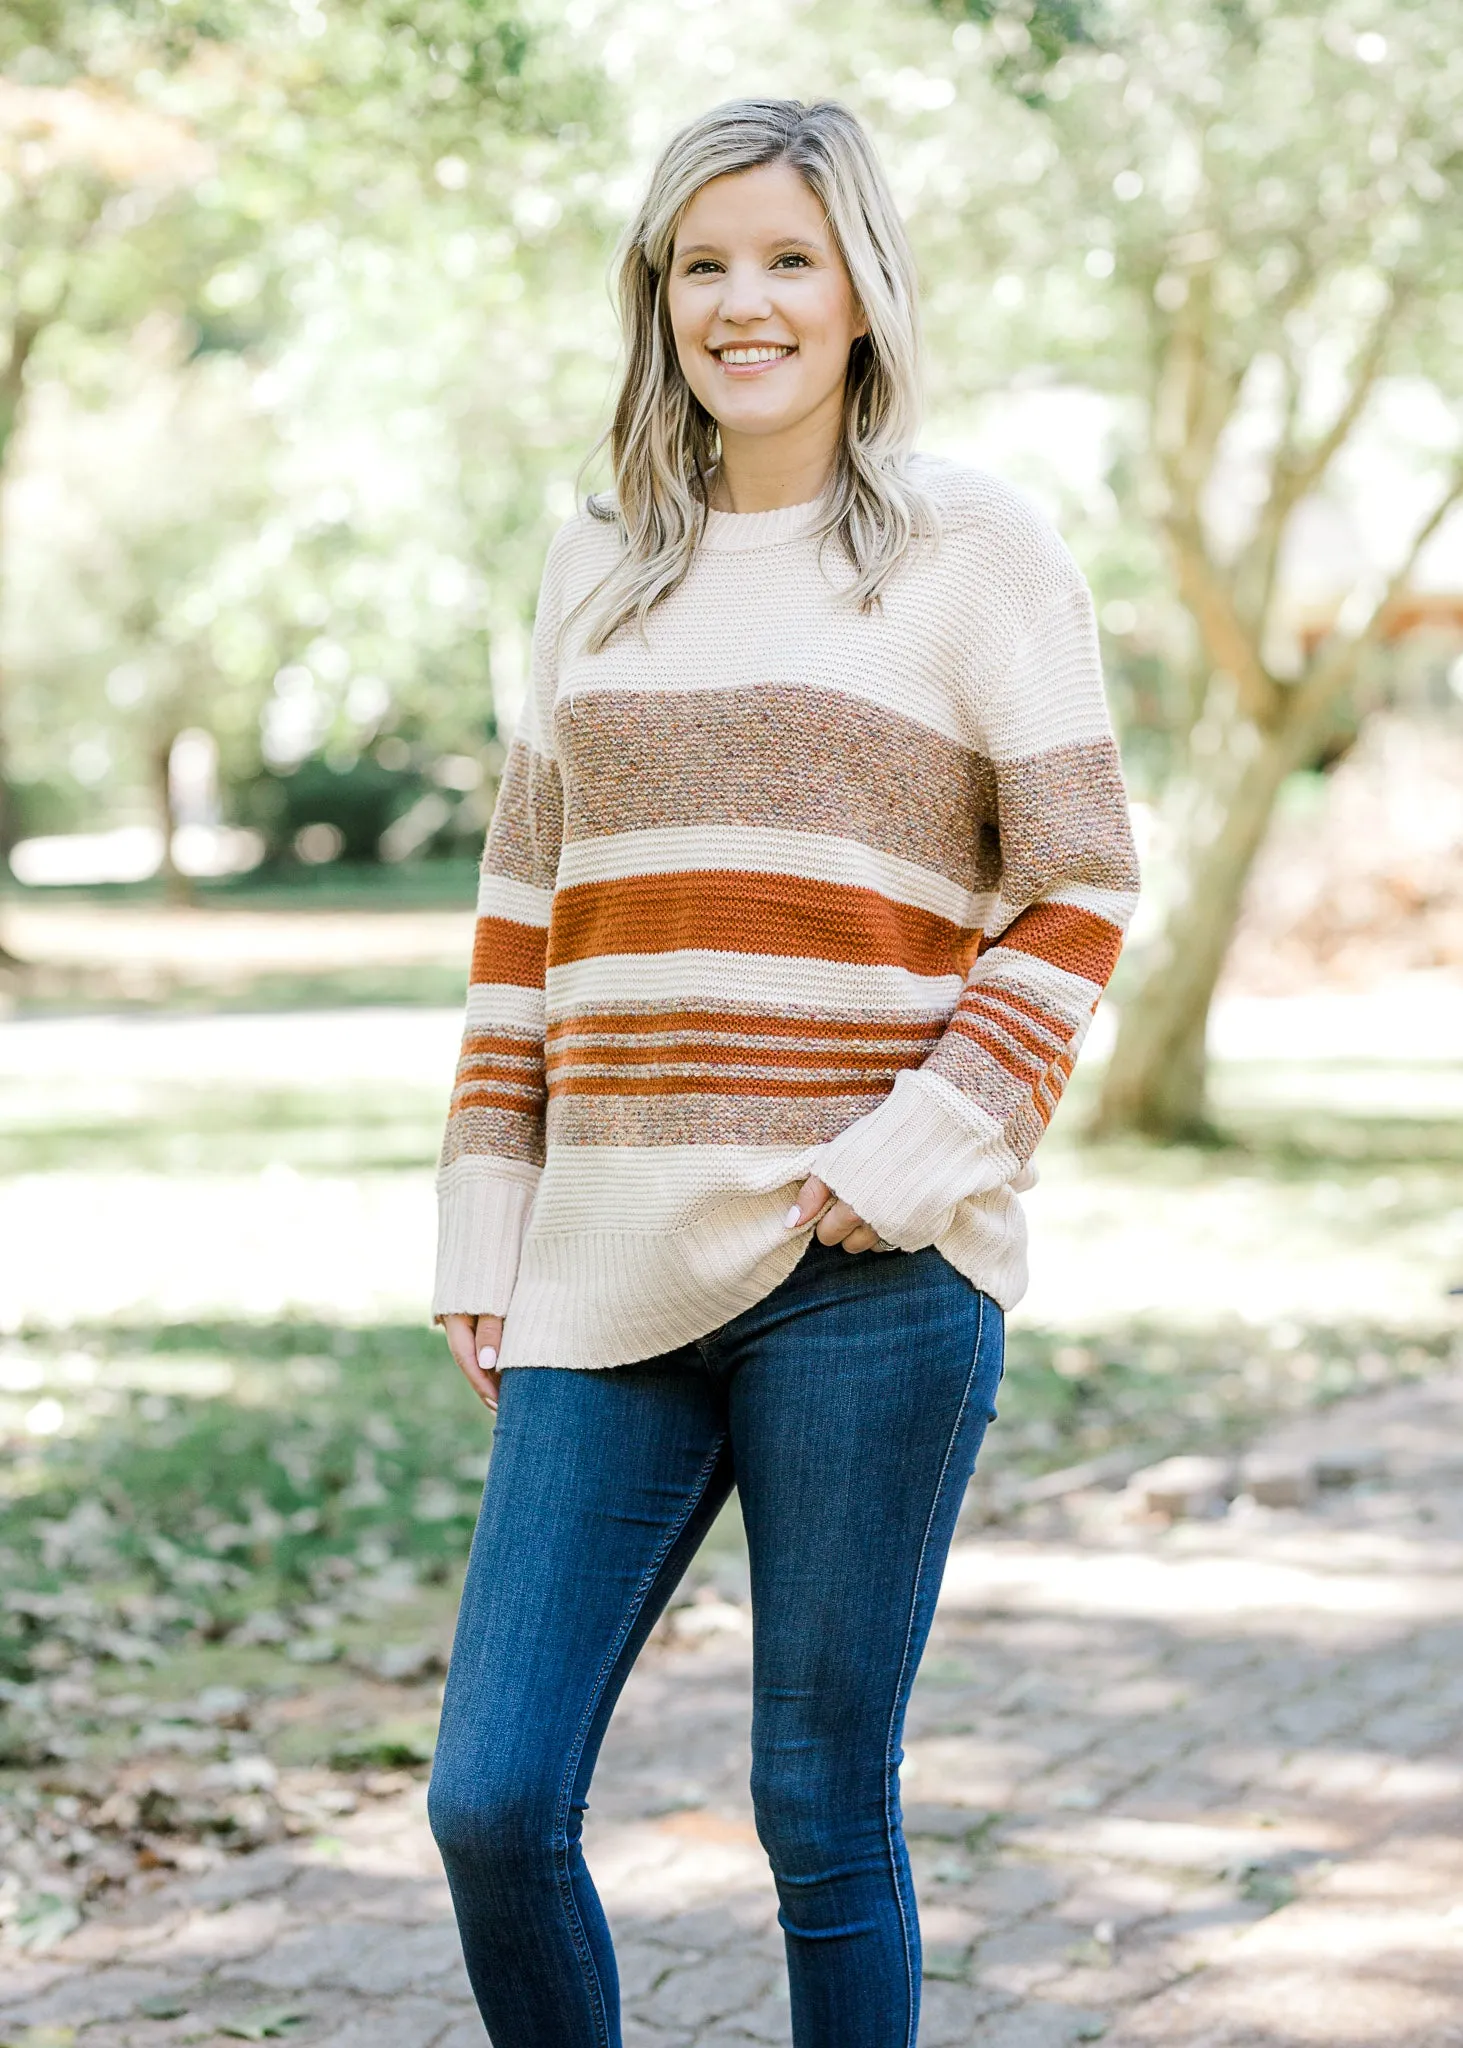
304 336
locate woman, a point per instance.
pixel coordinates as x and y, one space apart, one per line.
810 862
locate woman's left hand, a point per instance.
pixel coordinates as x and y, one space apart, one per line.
837 1223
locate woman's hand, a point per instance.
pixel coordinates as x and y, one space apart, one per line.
837 1223
475 1342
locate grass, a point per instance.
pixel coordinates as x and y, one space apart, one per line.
334 937
213 1473
227 1533
260 1485
425 984
202 1127
446 884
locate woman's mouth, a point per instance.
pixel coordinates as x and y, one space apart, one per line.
751 359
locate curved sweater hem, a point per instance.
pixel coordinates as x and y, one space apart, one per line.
590 1301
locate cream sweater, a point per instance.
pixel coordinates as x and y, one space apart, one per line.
781 888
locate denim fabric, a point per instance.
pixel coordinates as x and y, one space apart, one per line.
847 1408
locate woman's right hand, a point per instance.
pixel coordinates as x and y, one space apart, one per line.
475 1342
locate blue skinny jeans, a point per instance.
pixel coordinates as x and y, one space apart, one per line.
847 1408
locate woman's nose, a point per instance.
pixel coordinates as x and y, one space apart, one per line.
744 297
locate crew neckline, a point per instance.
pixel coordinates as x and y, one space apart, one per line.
727 530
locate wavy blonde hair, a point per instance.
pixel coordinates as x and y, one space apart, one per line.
662 441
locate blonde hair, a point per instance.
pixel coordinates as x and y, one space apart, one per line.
663 442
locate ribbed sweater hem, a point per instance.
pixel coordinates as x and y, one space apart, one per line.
590 1300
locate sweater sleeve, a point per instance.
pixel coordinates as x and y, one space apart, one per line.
967 1120
493 1148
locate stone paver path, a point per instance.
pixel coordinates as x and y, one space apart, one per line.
1198 1785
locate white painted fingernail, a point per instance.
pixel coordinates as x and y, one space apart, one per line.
792 1217
487 1358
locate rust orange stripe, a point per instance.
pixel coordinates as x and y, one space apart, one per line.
489 1098
1016 1064
977 1004
1078 941
836 1030
512 1044
999 996
728 912
703 1054
503 951
728 1084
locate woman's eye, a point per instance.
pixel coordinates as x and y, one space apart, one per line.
702 264
792 257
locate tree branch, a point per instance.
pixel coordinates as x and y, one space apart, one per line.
1259 559
26 330
1193 401
1336 665
1227 642
1296 470
1301 472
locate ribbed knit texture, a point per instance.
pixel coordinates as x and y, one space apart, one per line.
781 888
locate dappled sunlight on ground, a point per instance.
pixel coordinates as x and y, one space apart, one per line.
1192 1783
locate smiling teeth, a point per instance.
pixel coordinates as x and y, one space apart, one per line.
752 355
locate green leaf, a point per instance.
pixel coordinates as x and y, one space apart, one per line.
1269 1888
167 2005
44 1919
268 2023
396 1745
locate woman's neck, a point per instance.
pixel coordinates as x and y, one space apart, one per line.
765 473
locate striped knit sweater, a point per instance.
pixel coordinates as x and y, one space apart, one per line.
781 888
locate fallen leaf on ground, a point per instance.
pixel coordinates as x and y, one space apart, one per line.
269 2023
44 1919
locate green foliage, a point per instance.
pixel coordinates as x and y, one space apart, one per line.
49 805
296 1470
1196 143
342 204
1034 35
338 271
333 1456
384 1749
1231 220
360 801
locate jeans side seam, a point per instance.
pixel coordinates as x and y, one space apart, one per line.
899 1690
581 1733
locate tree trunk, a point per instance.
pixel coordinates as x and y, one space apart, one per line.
8 833
7 840
177 886
1155 1082
24 334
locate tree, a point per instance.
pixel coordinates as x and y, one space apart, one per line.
1238 218
82 169
243 170
143 535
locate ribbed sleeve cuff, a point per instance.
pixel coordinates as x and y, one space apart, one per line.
482 1213
905 1165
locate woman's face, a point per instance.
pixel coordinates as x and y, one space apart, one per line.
761 304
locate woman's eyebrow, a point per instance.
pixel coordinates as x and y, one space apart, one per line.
773 242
